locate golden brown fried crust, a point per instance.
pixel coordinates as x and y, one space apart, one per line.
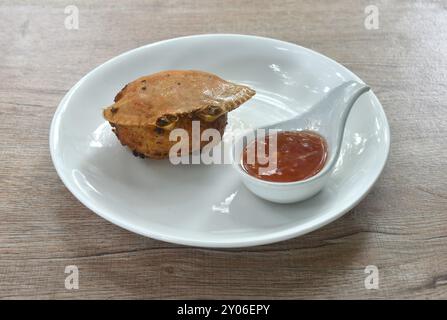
120 94
147 109
153 142
176 92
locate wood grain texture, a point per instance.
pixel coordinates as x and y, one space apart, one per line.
401 226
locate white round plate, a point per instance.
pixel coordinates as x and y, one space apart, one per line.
207 205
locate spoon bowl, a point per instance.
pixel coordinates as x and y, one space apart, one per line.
328 119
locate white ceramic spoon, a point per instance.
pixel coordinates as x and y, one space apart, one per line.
327 118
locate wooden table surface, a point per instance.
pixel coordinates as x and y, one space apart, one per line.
400 227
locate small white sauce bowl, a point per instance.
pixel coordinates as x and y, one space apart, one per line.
328 119
279 192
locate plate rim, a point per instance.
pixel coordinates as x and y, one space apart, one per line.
270 238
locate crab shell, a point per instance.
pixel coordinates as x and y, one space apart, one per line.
147 109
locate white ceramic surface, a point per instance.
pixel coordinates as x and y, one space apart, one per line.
207 205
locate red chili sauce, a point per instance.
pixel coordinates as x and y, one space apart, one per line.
300 155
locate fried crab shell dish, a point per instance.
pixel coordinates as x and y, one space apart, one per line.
148 109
